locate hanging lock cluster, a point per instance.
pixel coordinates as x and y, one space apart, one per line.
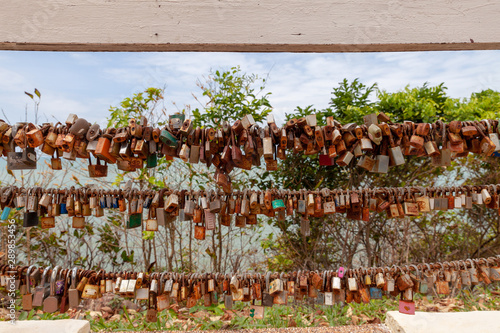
208 208
376 145
56 289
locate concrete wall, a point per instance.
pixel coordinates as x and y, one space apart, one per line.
249 25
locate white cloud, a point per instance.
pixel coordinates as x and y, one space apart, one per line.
87 59
461 72
10 80
59 107
104 79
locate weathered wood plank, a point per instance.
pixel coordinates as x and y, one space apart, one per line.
249 25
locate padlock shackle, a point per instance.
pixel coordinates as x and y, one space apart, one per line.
44 275
53 278
28 272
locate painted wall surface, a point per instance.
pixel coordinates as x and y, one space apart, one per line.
249 25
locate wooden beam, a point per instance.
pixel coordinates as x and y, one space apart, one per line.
249 25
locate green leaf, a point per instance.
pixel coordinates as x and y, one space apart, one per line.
148 235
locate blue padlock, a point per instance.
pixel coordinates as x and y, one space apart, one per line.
63 209
375 293
5 213
102 202
147 203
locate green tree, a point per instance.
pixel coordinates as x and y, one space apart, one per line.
419 104
231 95
145 103
335 240
227 95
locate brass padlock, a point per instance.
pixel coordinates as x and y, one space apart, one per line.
78 222
247 121
199 232
73 293
254 200
194 156
141 149
97 170
486 197
51 137
175 120
141 293
245 204
189 206
45 200
114 149
395 153
186 127
7 142
344 159
375 134
382 164
56 162
51 303
276 286
162 216
329 206
135 128
348 138
423 203
34 136
86 210
47 222
487 147
352 283
151 224
268 148
215 204
172 202
42 291
410 207
19 135
318 135
83 281
91 290
79 127
25 160
379 280
121 135
102 149
71 119
151 313
209 220
431 148
442 287
185 152
27 298
68 143
122 285
366 162
404 281
390 283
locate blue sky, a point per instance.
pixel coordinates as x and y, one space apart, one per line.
89 83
